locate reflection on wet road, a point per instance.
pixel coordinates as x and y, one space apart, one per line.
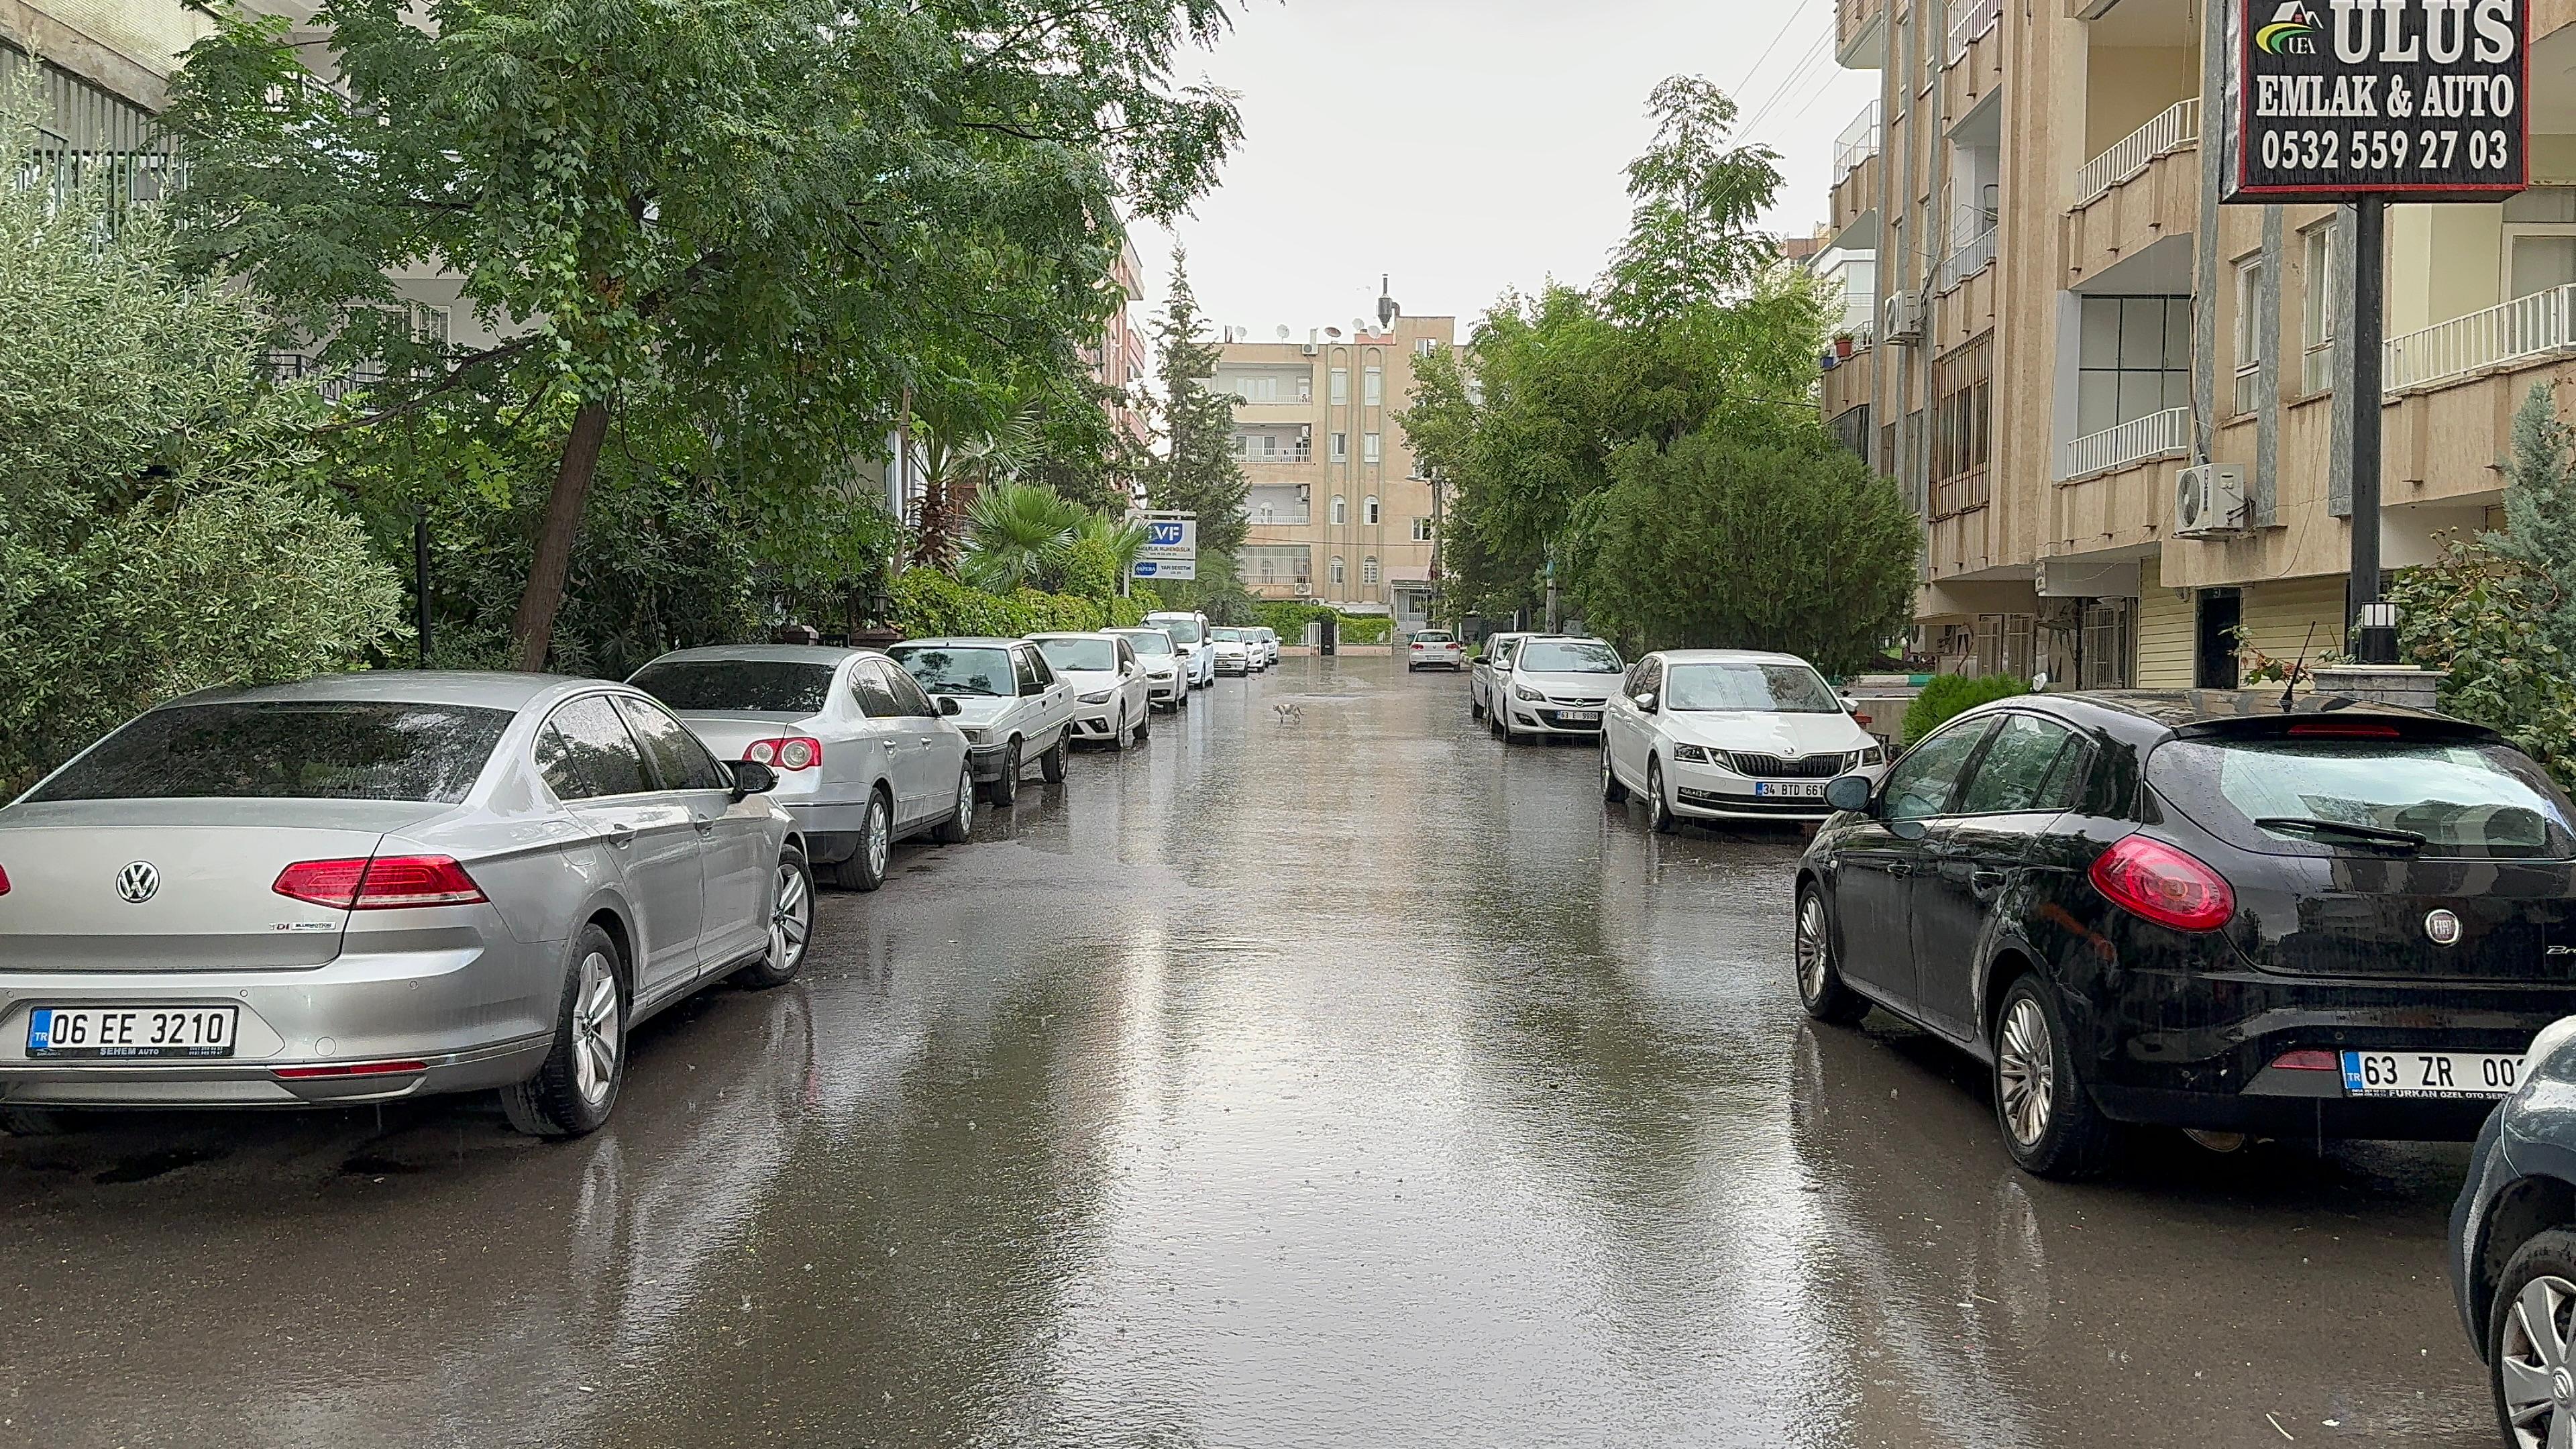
1345 1080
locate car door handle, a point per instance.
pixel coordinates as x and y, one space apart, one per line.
704 823
1899 868
1985 883
621 834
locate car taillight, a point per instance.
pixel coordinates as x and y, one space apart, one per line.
2152 879
796 753
4 881
2308 1061
2336 729
387 883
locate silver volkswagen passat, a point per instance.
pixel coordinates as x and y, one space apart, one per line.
371 886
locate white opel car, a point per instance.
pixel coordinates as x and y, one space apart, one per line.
1190 635
864 757
1009 703
1485 669
1166 685
1724 734
1112 698
1555 685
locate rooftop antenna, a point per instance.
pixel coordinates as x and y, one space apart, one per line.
2290 694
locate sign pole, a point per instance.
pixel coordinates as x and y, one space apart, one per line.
2374 624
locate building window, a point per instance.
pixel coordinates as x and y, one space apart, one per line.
1337 571
1305 571
1373 386
1269 572
1341 386
1266 514
2134 360
2249 332
1368 447
2319 312
1341 447
1422 530
2540 240
2108 630
1254 389
1426 347
1305 387
1341 509
1368 509
1368 572
1963 384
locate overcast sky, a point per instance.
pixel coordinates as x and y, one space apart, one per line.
1465 146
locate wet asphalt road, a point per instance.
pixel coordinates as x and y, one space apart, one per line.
1342 1080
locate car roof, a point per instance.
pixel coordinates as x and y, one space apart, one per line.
408 686
1072 634
1174 614
765 654
1728 656
2156 713
961 642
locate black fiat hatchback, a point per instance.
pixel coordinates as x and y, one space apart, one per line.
2202 910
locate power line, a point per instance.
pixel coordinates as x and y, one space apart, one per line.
1807 65
1756 69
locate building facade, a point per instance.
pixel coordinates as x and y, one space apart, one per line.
1118 362
1339 514
2065 319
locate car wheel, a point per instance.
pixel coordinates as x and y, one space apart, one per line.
2049 1122
1659 810
1611 790
1145 725
33 1122
2528 1333
573 1093
791 926
1820 981
1051 764
1475 708
865 870
960 823
1006 789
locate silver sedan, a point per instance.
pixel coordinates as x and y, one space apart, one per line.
373 886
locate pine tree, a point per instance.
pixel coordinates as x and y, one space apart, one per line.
2540 510
1199 472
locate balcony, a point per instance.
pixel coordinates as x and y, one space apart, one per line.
1857 143
1970 22
1284 458
1860 34
1280 517
2156 435
2176 128
1854 208
2500 339
1967 259
1850 383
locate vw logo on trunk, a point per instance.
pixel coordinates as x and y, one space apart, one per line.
2443 927
138 882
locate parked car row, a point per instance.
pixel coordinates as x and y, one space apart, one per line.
366 887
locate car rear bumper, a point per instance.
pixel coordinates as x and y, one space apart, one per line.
471 1018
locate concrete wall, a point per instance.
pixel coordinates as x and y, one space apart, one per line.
2126 86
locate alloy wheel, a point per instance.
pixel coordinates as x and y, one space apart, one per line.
965 801
597 1030
2539 1384
791 924
1811 948
2026 1068
880 843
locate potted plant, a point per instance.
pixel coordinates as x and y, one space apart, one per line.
1843 344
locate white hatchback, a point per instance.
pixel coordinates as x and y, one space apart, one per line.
1555 684
1727 734
1435 648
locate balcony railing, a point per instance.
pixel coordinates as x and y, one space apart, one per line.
2134 441
2525 328
1286 456
1857 143
2174 128
1968 258
286 367
1280 516
1970 19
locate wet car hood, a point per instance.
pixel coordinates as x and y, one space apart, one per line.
1088 681
1595 688
1788 736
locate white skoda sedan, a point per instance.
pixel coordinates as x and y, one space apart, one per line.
1724 734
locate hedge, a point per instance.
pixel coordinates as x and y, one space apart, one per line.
929 604
1951 695
1289 621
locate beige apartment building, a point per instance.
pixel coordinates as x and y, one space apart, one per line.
2054 318
1338 511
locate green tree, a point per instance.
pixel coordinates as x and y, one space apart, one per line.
1735 541
1198 472
162 523
2540 514
1018 534
774 216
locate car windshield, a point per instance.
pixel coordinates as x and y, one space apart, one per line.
1229 636
1432 636
1149 641
289 750
1185 631
2431 797
746 686
1569 657
945 670
1770 688
1094 656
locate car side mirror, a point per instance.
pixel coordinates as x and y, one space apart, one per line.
948 707
1850 705
1850 792
1646 702
751 777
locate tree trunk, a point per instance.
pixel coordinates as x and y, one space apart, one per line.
534 627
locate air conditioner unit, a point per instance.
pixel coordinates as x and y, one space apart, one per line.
2209 500
1904 319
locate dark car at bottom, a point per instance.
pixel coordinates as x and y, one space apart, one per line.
2513 1249
2203 910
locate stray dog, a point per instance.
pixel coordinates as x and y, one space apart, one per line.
1287 712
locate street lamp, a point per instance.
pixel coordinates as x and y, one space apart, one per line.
2378 639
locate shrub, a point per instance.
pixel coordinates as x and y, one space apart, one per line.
929 604
1952 695
2475 614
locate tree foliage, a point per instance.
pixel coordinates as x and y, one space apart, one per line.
1949 696
1198 472
777 218
2540 514
162 526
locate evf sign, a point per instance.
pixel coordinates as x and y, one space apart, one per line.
1171 547
2401 100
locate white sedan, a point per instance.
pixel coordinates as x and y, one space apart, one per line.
1726 734
1009 703
1167 684
1235 651
1112 698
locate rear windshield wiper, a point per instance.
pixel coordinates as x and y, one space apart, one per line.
2345 829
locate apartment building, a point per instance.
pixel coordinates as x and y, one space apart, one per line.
1338 511
2065 319
103 69
1118 361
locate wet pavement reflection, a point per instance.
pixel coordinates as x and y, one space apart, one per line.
1340 1078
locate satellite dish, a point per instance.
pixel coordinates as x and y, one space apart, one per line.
1334 333
1359 326
1283 331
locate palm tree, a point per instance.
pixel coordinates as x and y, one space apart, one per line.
952 460
1123 539
1016 533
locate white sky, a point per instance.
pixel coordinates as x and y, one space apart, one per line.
1464 146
